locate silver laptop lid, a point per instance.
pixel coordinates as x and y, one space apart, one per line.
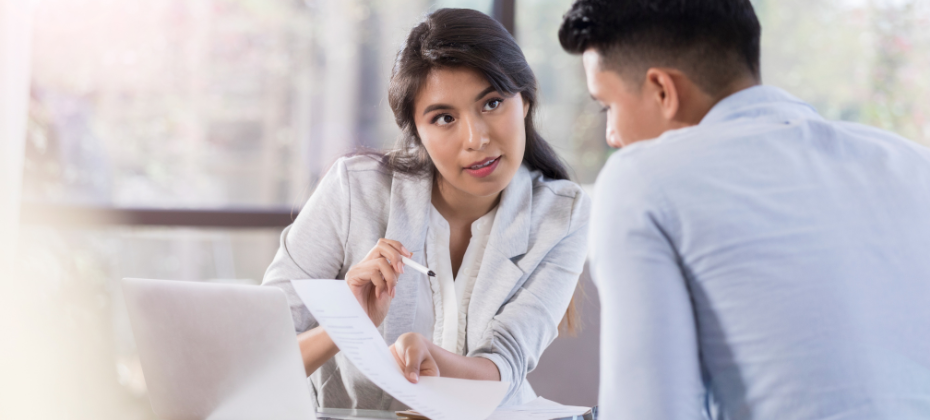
216 351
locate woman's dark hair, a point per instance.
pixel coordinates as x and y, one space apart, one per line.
462 38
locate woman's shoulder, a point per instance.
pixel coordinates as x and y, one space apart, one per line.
365 164
559 187
369 177
558 200
362 173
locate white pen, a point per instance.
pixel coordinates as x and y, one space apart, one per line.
416 266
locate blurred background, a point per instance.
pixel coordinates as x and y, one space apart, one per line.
174 139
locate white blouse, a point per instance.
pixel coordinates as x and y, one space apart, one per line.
452 295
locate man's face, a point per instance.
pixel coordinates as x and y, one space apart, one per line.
633 113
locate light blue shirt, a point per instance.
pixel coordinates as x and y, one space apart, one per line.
764 264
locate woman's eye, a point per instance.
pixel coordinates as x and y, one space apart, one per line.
605 109
493 104
443 119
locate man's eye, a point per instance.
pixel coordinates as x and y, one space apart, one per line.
443 119
493 104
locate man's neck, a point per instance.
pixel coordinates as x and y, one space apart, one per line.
736 86
692 113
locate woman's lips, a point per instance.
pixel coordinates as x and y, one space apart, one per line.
485 170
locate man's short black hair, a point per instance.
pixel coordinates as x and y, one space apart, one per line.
714 42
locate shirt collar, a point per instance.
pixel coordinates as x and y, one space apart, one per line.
513 215
481 225
759 101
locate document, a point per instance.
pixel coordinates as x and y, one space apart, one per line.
538 409
337 310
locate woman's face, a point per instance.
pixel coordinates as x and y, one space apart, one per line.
475 135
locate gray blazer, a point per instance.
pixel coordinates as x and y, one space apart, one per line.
530 268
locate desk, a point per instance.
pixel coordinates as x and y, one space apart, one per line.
350 414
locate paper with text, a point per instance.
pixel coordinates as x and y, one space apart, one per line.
337 310
538 409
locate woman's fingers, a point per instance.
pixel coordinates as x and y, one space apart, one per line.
376 277
428 367
412 353
380 268
417 362
383 277
412 358
389 276
397 358
387 251
393 250
410 365
397 246
378 272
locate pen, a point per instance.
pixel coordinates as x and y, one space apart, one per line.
414 265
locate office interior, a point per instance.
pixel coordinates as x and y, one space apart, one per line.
174 139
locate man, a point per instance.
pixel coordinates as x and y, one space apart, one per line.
754 261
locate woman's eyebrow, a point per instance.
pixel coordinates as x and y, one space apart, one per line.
435 107
486 91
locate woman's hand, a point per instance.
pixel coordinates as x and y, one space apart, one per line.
373 280
412 352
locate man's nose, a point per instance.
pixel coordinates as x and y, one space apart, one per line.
612 136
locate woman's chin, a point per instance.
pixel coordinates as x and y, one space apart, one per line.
485 187
486 190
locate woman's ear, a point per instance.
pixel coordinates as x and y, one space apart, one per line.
665 92
526 106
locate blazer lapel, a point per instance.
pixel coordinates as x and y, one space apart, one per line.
499 273
407 223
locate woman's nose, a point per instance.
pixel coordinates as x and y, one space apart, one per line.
477 136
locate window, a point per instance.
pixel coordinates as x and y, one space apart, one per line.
568 118
854 60
206 103
194 105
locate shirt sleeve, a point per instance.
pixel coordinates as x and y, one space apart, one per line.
650 366
529 321
313 247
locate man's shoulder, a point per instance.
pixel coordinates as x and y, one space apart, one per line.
741 144
694 162
885 138
671 152
685 144
733 161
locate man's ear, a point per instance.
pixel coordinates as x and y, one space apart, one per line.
665 92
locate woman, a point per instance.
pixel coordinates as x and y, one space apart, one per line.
473 192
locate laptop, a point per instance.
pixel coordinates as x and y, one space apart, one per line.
217 351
